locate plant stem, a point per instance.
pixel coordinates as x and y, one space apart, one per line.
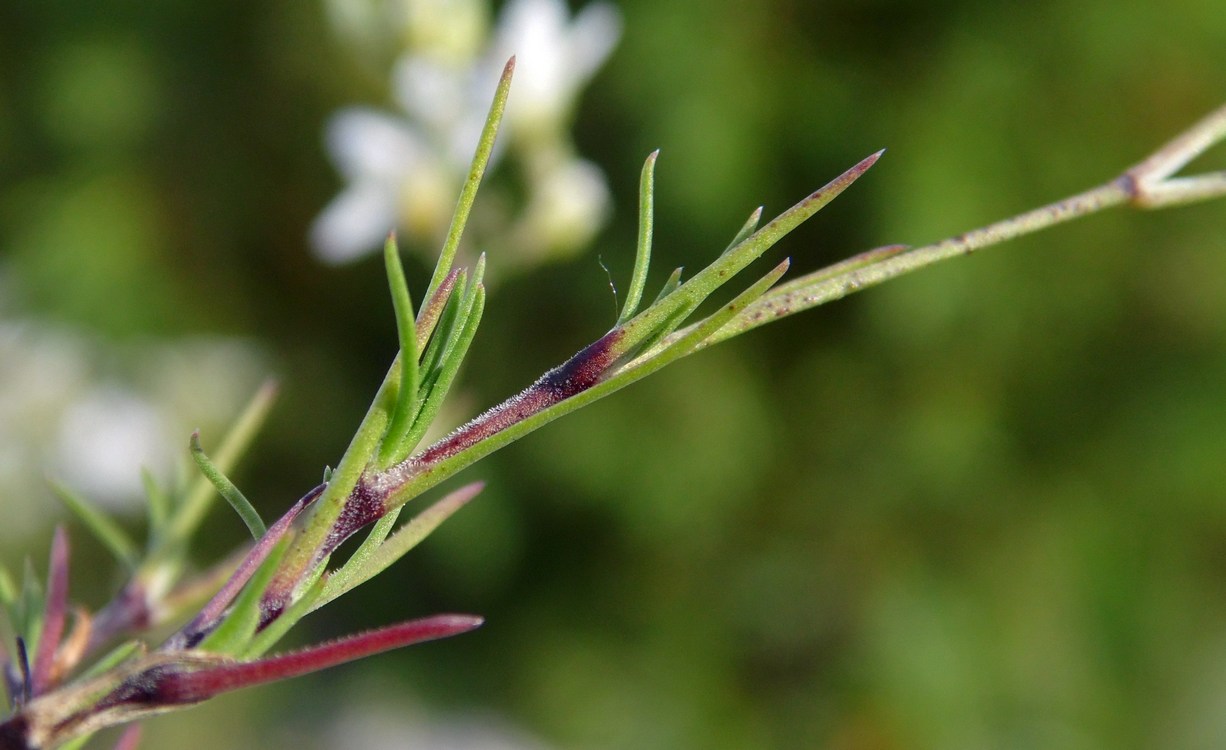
1149 184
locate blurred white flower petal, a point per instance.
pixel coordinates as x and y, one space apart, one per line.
447 30
370 145
101 434
354 223
571 202
93 413
447 100
554 57
403 172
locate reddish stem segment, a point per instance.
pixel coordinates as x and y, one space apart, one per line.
211 614
165 686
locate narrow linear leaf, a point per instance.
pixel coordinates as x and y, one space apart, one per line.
700 286
212 612
158 504
188 516
227 489
670 285
114 658
855 262
746 229
304 554
434 400
473 288
99 524
448 323
677 347
406 396
444 468
468 194
339 578
642 251
28 612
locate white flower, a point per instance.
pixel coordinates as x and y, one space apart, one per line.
389 167
554 58
405 171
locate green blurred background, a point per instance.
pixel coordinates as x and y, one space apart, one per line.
980 507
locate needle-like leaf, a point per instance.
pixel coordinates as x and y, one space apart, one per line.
406 396
468 194
100 525
642 252
227 489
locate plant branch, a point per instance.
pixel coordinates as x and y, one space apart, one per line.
1149 184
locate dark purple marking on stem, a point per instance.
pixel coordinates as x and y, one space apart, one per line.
210 615
365 505
170 686
14 734
53 615
23 666
367 502
577 374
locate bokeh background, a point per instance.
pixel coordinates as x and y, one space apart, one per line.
983 506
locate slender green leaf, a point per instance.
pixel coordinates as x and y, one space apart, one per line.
451 366
100 525
632 372
670 285
159 506
473 288
700 286
114 658
28 613
378 533
227 489
642 252
468 194
187 517
746 229
672 350
406 396
342 480
432 309
804 292
448 322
